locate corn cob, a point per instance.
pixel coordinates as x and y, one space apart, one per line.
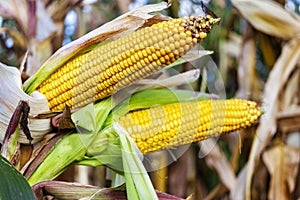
177 124
117 64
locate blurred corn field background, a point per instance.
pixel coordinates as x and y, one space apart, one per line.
257 53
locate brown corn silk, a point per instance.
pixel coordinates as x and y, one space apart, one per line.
183 123
108 68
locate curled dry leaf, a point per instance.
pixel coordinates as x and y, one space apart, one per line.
269 17
283 165
10 95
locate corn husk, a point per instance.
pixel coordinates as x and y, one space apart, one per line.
10 94
10 78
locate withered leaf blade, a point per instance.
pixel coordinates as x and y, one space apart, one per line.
65 122
13 123
278 77
269 17
19 117
283 165
24 120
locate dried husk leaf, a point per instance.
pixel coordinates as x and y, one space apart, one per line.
64 190
10 95
278 77
283 165
269 17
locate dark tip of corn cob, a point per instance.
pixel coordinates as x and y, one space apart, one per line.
118 64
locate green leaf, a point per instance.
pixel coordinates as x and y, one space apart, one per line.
105 150
138 183
89 121
66 151
12 184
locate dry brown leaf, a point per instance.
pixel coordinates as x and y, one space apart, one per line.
278 77
247 77
229 47
19 39
291 91
267 49
39 53
217 160
45 26
17 9
269 17
238 192
283 164
288 121
59 9
123 5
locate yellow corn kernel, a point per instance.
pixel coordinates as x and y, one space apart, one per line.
97 74
184 123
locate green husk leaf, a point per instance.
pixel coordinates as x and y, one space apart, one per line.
138 183
89 121
105 150
12 184
106 147
70 148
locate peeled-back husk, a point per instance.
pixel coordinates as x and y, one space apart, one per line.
10 94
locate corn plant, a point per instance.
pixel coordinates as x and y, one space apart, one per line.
76 87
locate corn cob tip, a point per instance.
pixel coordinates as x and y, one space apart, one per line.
199 26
